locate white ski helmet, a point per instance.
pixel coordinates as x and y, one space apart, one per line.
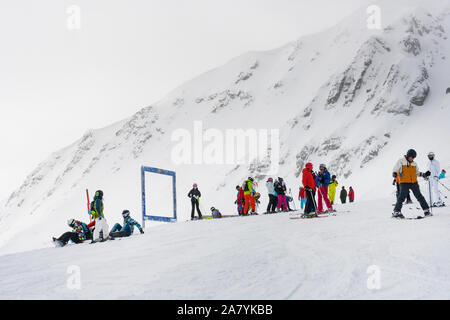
431 154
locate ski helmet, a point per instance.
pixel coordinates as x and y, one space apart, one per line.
309 166
333 176
431 155
125 213
251 179
99 194
195 185
270 179
411 153
322 165
71 222
238 187
212 208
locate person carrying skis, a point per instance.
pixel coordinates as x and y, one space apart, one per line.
332 189
249 196
273 200
343 195
79 234
302 197
351 195
240 202
309 184
322 181
101 225
408 171
195 195
435 168
280 189
128 227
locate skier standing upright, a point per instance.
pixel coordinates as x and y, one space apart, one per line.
322 181
351 195
407 170
343 195
272 198
309 183
240 201
195 195
101 226
280 188
435 170
332 189
302 197
249 196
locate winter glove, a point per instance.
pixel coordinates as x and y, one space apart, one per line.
436 178
393 182
427 174
142 231
394 174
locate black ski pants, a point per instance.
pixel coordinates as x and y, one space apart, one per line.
404 191
66 237
311 205
273 201
194 203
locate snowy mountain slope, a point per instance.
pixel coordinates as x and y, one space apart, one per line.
353 98
257 257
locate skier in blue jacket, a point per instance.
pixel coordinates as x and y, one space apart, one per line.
323 179
128 227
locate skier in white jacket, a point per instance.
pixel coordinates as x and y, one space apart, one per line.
435 169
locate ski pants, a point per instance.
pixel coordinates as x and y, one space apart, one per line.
282 202
249 200
101 229
343 200
434 191
240 207
273 201
302 202
323 194
195 205
404 191
408 198
66 237
331 196
311 205
117 232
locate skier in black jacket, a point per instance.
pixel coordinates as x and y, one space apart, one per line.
343 195
195 195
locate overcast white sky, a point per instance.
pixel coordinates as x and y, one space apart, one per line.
55 83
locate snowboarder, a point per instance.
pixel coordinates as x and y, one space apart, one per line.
435 169
101 226
195 195
128 227
442 175
280 189
79 234
322 181
215 213
273 200
343 195
351 195
332 189
407 171
309 184
240 202
249 196
302 197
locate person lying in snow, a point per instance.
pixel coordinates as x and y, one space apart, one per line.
128 227
80 233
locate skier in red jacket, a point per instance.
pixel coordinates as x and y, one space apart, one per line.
302 197
240 200
351 195
308 180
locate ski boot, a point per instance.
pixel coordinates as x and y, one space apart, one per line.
427 213
398 215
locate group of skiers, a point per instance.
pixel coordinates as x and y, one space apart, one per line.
97 229
405 173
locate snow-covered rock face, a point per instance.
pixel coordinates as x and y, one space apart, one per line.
353 98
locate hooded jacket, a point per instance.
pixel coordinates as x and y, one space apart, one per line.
307 177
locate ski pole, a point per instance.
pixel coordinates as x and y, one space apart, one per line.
429 191
88 205
443 185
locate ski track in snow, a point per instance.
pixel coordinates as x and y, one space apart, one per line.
256 257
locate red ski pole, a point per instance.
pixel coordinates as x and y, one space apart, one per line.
88 205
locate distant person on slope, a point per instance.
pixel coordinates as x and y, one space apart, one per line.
343 195
351 195
309 184
407 170
101 226
332 189
249 196
302 197
280 189
79 234
322 181
195 195
128 227
435 168
442 175
273 201
240 201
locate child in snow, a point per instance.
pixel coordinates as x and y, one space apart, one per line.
332 189
240 201
215 213
195 195
128 227
79 234
302 197
273 201
322 181
101 226
309 183
407 171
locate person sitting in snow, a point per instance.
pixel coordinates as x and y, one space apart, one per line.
128 227
79 234
215 213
